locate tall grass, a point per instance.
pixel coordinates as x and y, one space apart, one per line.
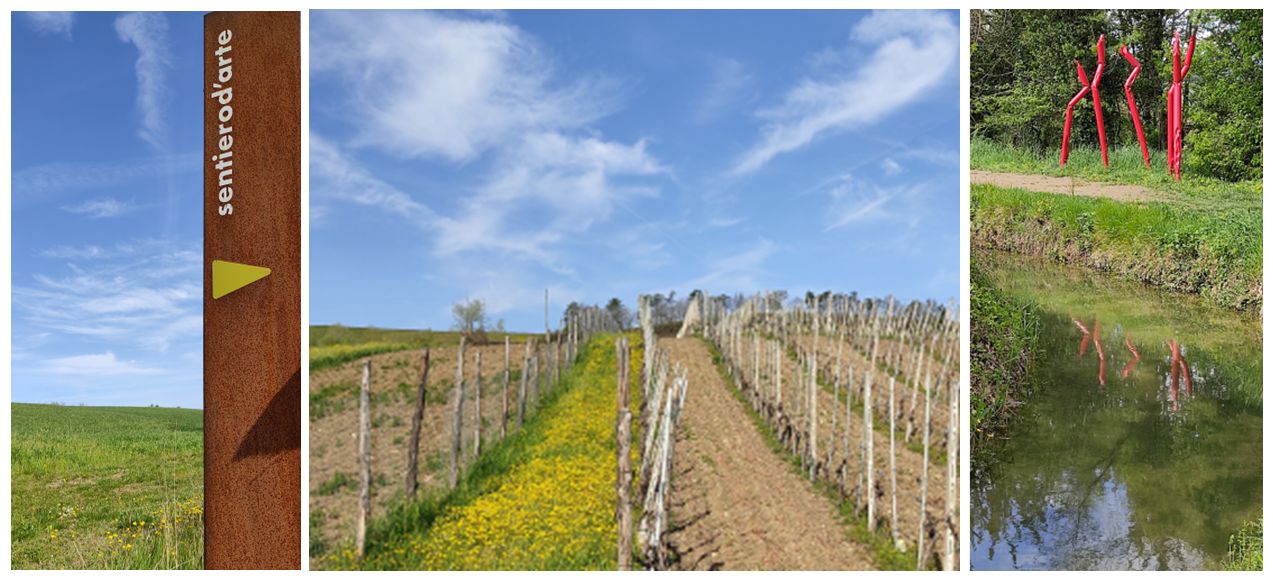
106 487
1003 338
1246 547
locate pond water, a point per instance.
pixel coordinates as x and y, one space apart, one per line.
1139 446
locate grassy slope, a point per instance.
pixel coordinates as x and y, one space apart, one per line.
1002 338
333 345
83 473
541 499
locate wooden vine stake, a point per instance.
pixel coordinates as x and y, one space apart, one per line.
503 416
417 419
892 461
457 425
364 460
477 407
623 442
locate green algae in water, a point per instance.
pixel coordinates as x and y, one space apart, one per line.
1139 472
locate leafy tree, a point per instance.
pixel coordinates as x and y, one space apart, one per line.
469 318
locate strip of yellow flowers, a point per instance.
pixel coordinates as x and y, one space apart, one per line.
554 508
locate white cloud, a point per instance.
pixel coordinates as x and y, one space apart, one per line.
146 294
424 84
57 23
148 31
104 364
100 208
570 178
913 51
890 167
337 176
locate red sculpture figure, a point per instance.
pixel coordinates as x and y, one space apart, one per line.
1131 101
1093 86
1175 106
1069 112
1096 97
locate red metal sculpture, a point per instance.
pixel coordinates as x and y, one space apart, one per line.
1175 106
1131 101
1093 86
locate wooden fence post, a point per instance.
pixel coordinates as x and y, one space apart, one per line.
457 433
952 473
624 450
477 406
417 418
923 484
521 391
503 417
364 460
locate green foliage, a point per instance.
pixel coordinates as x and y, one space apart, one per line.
82 475
1224 100
1246 548
1022 74
1004 335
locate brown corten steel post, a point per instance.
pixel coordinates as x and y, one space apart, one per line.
251 350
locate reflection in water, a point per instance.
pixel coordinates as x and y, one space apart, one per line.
1151 468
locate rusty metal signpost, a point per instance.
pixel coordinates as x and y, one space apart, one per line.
252 278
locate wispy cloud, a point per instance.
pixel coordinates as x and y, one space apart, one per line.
148 31
913 50
337 176
99 208
855 200
104 364
890 167
52 23
33 183
726 88
147 294
742 270
424 84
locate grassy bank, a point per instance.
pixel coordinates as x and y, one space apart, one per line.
1214 252
1002 342
107 487
543 498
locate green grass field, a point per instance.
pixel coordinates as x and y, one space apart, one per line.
107 487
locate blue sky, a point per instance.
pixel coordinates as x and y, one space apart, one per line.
107 224
492 155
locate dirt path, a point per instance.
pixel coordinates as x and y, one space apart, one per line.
910 463
1061 185
740 506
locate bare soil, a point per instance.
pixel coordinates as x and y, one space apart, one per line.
1062 185
737 505
333 439
848 455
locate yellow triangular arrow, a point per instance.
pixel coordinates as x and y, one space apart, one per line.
229 277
